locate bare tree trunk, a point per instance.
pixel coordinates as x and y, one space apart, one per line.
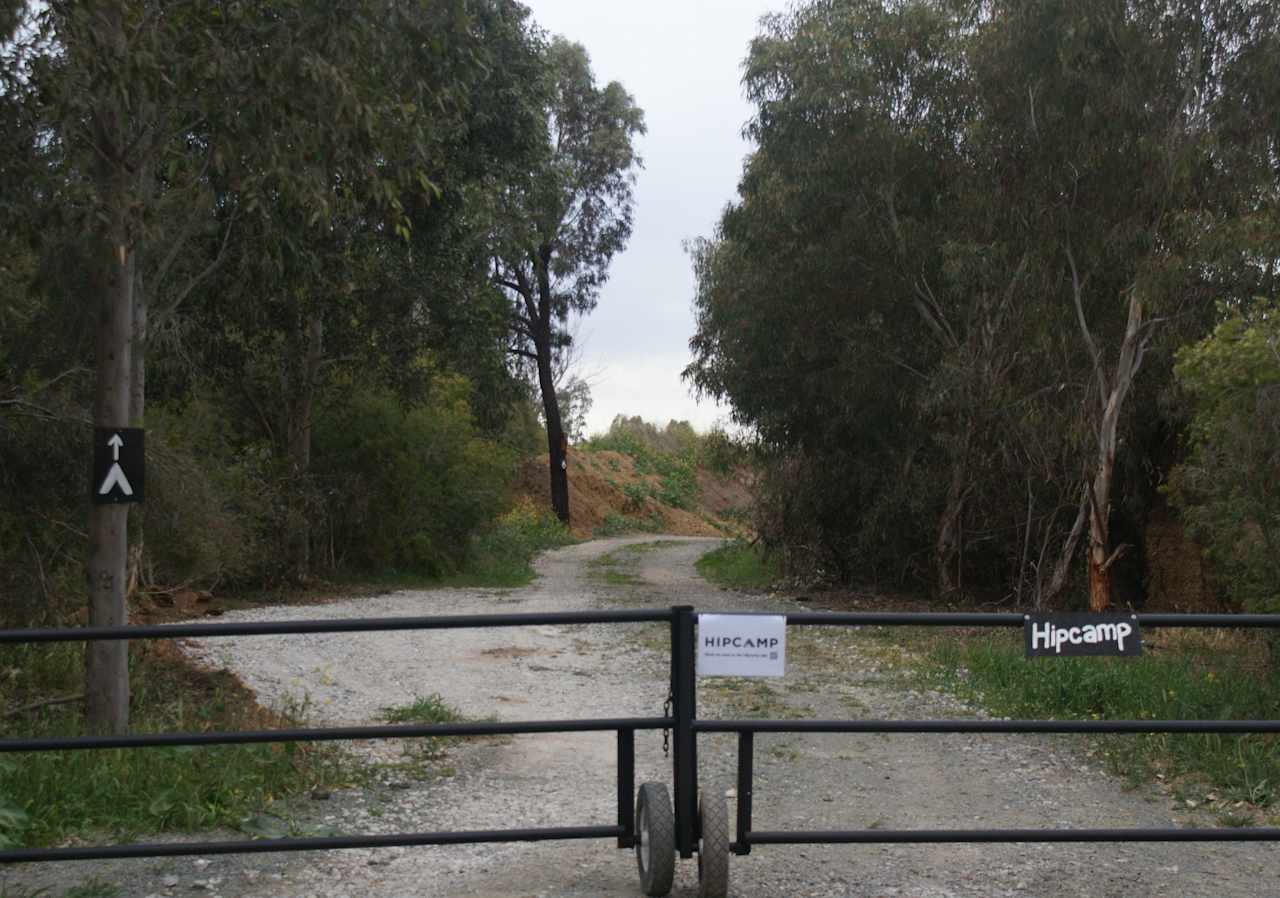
1111 394
1101 554
558 463
107 662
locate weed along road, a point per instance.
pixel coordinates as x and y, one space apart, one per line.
802 782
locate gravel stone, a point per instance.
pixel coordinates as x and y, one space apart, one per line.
818 781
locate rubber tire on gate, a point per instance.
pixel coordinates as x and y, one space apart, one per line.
713 846
655 817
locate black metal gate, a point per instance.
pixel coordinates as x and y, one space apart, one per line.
651 823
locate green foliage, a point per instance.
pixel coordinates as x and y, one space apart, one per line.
635 494
556 230
924 282
640 439
43 490
622 525
423 709
739 565
48 797
94 888
721 453
671 454
1227 489
406 487
1193 679
502 553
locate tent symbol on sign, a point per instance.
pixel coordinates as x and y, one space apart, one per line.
115 476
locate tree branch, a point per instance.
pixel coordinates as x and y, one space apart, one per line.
35 706
209 269
510 285
1077 292
1120 551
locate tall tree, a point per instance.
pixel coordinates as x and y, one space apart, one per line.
302 105
964 229
558 230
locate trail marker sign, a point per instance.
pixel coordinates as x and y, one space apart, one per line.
119 469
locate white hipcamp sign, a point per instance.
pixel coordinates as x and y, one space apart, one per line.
742 645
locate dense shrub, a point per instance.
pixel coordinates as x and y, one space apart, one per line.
502 553
43 501
1227 490
405 487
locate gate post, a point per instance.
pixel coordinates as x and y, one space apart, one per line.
685 754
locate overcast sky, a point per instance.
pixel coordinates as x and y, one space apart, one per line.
681 60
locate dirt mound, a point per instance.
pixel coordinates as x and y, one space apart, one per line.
727 496
599 500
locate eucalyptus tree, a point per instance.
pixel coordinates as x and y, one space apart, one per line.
962 233
1121 152
146 106
383 286
559 227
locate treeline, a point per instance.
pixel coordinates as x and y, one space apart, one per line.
307 215
1001 281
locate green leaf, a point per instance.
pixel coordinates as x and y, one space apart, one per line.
265 826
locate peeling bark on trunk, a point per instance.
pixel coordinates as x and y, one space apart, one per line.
1111 395
1101 554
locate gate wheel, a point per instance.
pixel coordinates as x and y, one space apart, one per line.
655 839
713 846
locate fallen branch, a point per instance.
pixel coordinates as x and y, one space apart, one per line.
35 706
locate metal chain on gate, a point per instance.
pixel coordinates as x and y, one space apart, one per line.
666 733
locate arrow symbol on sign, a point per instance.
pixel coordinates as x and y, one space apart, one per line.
115 443
115 477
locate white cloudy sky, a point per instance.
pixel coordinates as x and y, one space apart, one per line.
681 61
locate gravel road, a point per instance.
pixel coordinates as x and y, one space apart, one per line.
802 782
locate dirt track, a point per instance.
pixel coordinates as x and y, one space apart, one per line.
810 782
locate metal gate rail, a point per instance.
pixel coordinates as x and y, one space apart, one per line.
625 727
746 730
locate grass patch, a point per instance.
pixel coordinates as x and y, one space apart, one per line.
503 554
94 888
621 578
738 566
423 709
614 568
1187 676
49 797
622 525
749 698
420 753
